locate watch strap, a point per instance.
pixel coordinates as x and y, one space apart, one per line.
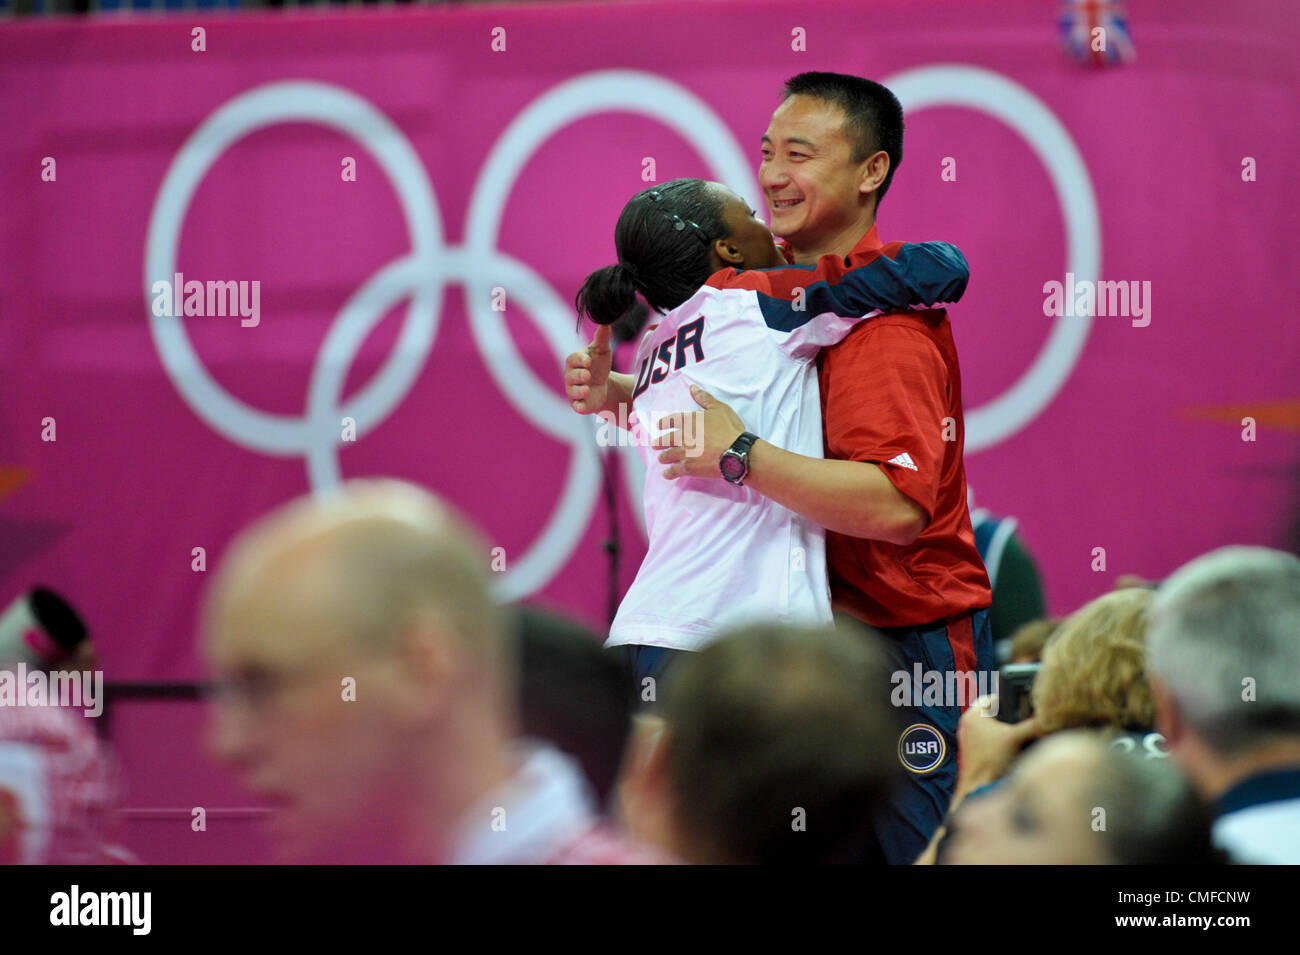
738 451
742 444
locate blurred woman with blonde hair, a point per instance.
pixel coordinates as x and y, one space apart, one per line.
1094 667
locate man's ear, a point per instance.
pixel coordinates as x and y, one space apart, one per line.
644 761
431 657
874 169
643 784
1169 721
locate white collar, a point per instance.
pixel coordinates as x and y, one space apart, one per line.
527 819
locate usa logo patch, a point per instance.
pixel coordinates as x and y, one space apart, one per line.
921 748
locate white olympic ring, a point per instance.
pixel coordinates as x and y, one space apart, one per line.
1029 116
423 274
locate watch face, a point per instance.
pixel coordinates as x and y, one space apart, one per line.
732 465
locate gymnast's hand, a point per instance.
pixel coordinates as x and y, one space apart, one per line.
698 438
586 374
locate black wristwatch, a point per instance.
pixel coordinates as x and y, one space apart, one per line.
734 462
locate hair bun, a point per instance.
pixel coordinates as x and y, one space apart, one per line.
608 293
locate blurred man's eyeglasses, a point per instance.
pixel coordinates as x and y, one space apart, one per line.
257 688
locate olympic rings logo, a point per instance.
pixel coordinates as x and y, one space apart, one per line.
421 276
424 272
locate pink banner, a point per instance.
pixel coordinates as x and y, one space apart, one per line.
403 204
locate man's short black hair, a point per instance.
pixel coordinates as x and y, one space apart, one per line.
771 725
874 117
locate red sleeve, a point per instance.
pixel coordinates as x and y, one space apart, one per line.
886 398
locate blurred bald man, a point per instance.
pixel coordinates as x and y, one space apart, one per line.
366 691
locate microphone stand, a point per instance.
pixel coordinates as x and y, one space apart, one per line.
613 544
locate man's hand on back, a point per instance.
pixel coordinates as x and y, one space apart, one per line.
698 438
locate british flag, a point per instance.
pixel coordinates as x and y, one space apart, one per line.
1096 31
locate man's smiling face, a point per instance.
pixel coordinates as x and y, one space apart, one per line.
808 174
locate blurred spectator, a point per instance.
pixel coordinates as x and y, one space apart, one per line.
575 695
773 745
59 790
1074 800
40 628
1094 667
1029 639
1225 662
367 689
1017 586
60 785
